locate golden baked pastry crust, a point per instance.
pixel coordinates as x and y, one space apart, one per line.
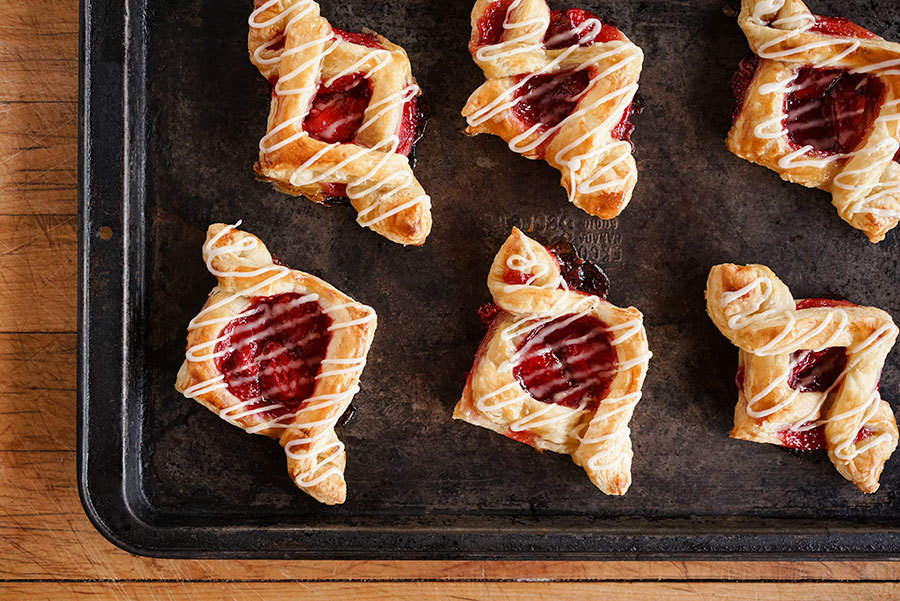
864 186
757 313
297 49
598 440
598 170
245 270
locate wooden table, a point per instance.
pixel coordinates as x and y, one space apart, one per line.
48 549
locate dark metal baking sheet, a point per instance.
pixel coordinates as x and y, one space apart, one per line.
171 114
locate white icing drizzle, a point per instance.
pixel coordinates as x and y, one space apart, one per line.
529 265
801 24
566 156
357 186
867 194
610 457
260 406
502 49
858 352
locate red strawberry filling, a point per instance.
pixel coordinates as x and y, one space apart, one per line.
412 126
337 113
515 277
580 274
549 98
526 436
490 25
272 353
488 312
337 110
568 362
813 371
369 40
624 128
335 193
813 439
808 303
831 110
740 82
816 371
546 100
277 45
567 28
839 26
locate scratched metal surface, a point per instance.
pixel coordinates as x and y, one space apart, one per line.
695 205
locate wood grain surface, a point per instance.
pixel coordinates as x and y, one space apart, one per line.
48 549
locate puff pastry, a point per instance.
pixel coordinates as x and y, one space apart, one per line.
819 104
559 87
277 352
808 370
343 118
560 367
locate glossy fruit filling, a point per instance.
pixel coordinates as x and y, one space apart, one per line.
337 113
490 25
272 352
277 44
817 371
337 110
488 312
839 26
514 277
568 361
624 128
809 303
814 371
740 82
565 28
831 110
412 126
812 439
580 274
568 28
335 194
547 99
369 40
526 436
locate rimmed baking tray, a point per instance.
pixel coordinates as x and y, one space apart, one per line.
171 114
